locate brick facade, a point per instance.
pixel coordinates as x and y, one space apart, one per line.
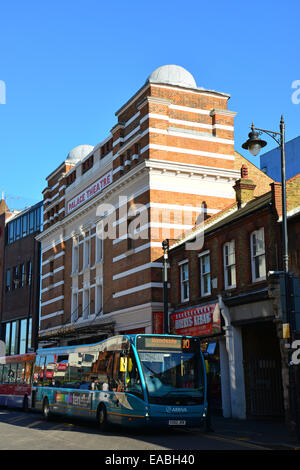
251 307
172 147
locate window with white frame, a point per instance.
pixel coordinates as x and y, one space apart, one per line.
74 315
86 303
99 248
99 299
184 281
87 252
229 264
75 257
258 255
205 284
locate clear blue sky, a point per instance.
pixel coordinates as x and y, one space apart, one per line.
68 67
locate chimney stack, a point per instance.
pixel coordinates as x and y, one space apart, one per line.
244 188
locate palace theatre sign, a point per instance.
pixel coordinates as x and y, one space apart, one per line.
90 192
202 320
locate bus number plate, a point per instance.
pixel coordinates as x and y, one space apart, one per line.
177 422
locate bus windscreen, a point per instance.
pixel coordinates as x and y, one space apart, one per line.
173 369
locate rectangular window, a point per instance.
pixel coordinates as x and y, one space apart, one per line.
38 371
20 378
31 221
99 248
258 256
18 228
29 345
29 273
87 253
205 285
53 372
7 281
86 303
11 227
75 259
24 225
22 275
23 332
229 265
14 338
184 282
98 299
38 218
16 280
74 315
7 338
12 373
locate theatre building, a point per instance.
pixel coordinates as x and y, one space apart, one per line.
168 160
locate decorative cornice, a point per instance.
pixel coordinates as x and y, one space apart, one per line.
224 112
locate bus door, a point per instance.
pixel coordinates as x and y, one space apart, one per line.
126 401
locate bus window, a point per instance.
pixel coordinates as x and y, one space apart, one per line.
75 370
86 372
20 373
1 373
5 373
118 376
102 370
12 373
38 371
133 381
28 372
49 368
58 370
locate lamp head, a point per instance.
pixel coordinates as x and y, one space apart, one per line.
165 245
254 143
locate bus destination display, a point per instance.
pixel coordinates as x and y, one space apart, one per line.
164 343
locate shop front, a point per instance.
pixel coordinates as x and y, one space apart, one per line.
204 321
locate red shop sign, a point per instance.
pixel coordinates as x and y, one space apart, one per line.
197 321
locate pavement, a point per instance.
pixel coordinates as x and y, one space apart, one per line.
269 434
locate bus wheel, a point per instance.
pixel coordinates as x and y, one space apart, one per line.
102 418
46 409
25 404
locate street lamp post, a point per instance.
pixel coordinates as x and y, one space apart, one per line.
254 144
165 247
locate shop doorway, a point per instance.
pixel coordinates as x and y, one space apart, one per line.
262 368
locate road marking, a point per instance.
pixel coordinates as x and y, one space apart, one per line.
16 419
35 423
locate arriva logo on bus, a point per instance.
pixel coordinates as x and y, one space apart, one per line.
171 409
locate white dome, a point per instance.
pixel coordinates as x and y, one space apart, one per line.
79 152
174 75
